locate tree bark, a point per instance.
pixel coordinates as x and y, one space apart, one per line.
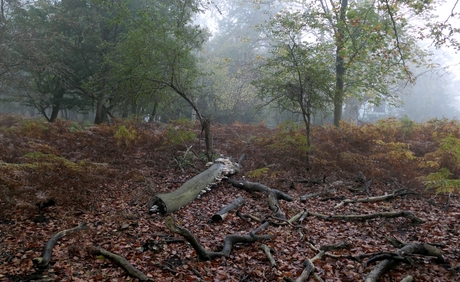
237 203
206 127
169 202
339 63
44 260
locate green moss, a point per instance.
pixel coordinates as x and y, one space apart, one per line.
258 173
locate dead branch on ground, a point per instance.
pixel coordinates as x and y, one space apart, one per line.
406 214
44 260
229 241
402 255
273 194
268 253
121 261
381 198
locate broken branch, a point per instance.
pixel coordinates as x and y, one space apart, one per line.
44 260
229 241
121 261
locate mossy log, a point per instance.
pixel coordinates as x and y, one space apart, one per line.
169 202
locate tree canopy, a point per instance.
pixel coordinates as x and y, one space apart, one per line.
122 58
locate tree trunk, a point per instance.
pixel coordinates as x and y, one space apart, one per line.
206 127
169 202
339 64
56 105
101 113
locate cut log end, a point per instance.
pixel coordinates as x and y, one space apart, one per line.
157 206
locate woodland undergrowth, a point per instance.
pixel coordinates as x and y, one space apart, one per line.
80 167
70 163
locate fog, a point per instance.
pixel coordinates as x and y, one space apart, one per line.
228 61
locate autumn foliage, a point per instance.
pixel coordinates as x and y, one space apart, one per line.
104 175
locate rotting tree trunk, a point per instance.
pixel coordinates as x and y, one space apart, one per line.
410 249
229 241
169 202
222 214
44 260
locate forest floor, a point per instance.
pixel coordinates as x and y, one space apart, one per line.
105 175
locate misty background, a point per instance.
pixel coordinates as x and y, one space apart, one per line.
162 60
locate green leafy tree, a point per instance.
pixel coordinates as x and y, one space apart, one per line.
44 65
370 44
297 76
159 51
62 55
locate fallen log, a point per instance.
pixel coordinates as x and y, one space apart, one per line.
229 241
222 214
406 214
121 261
273 194
401 255
372 199
329 189
43 261
304 198
166 203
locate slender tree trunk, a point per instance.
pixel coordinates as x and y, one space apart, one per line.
55 111
154 112
56 104
206 127
340 65
100 112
